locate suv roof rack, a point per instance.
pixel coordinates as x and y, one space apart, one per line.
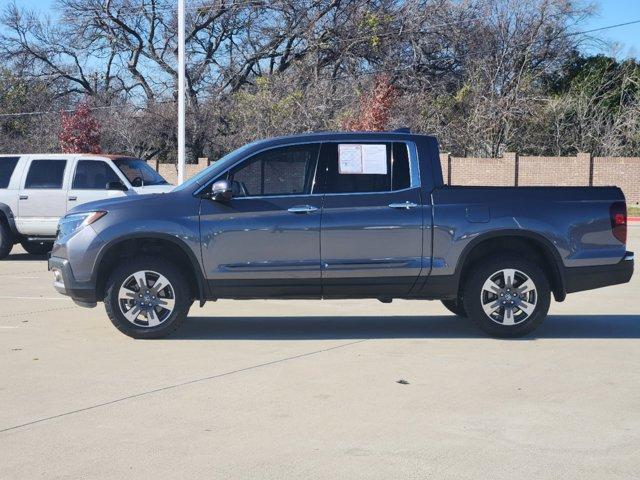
402 130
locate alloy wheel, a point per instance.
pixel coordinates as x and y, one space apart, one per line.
508 297
146 298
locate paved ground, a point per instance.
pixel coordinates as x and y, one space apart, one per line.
309 390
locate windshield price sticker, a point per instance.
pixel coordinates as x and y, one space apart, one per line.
362 159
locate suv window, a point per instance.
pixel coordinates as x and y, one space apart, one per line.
339 179
279 171
7 166
138 172
46 174
93 175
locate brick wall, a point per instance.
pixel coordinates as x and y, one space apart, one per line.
170 170
623 172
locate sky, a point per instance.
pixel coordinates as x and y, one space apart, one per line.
609 12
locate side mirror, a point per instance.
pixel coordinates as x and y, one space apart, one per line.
221 191
117 186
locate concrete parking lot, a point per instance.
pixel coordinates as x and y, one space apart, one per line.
299 389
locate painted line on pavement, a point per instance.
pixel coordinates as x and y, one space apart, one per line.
35 298
182 384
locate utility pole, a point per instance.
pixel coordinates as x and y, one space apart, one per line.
181 93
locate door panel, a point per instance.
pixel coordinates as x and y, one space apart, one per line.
265 242
372 220
42 199
368 247
257 248
89 183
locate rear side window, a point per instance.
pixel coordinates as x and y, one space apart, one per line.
347 169
279 171
7 166
45 174
93 175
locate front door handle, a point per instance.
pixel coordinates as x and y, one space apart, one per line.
302 209
73 198
23 197
406 205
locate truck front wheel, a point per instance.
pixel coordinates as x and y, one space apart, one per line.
6 239
507 296
147 297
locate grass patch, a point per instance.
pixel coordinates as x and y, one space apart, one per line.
633 210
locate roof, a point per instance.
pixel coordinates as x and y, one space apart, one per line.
65 156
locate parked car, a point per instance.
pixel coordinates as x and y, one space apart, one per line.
36 190
341 215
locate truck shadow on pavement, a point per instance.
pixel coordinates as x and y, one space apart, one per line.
25 257
440 326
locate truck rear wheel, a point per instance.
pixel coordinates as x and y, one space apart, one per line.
147 298
455 306
507 296
6 239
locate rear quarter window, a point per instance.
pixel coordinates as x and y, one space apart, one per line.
7 166
46 174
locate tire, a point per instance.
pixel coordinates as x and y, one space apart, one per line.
37 248
490 303
6 240
163 321
455 306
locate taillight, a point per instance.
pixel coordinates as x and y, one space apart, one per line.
618 213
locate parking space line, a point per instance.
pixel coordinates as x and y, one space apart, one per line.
182 384
18 314
34 298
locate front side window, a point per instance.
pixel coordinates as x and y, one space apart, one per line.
138 172
93 175
279 171
7 166
45 174
364 168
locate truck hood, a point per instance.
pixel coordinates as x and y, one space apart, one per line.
118 203
154 189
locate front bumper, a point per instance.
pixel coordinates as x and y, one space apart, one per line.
577 279
82 293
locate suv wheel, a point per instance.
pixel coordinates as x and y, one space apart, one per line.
507 296
455 306
147 298
6 239
37 248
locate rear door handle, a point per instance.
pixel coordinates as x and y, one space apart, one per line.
73 198
24 197
302 209
406 205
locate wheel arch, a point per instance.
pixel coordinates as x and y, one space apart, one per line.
531 243
6 214
126 246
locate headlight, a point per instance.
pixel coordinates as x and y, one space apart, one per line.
77 221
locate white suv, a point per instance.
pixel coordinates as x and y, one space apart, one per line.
37 189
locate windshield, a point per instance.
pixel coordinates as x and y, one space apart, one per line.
138 172
217 167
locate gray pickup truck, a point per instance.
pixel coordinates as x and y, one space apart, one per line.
341 215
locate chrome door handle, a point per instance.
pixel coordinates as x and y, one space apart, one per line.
302 209
23 197
405 205
73 198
